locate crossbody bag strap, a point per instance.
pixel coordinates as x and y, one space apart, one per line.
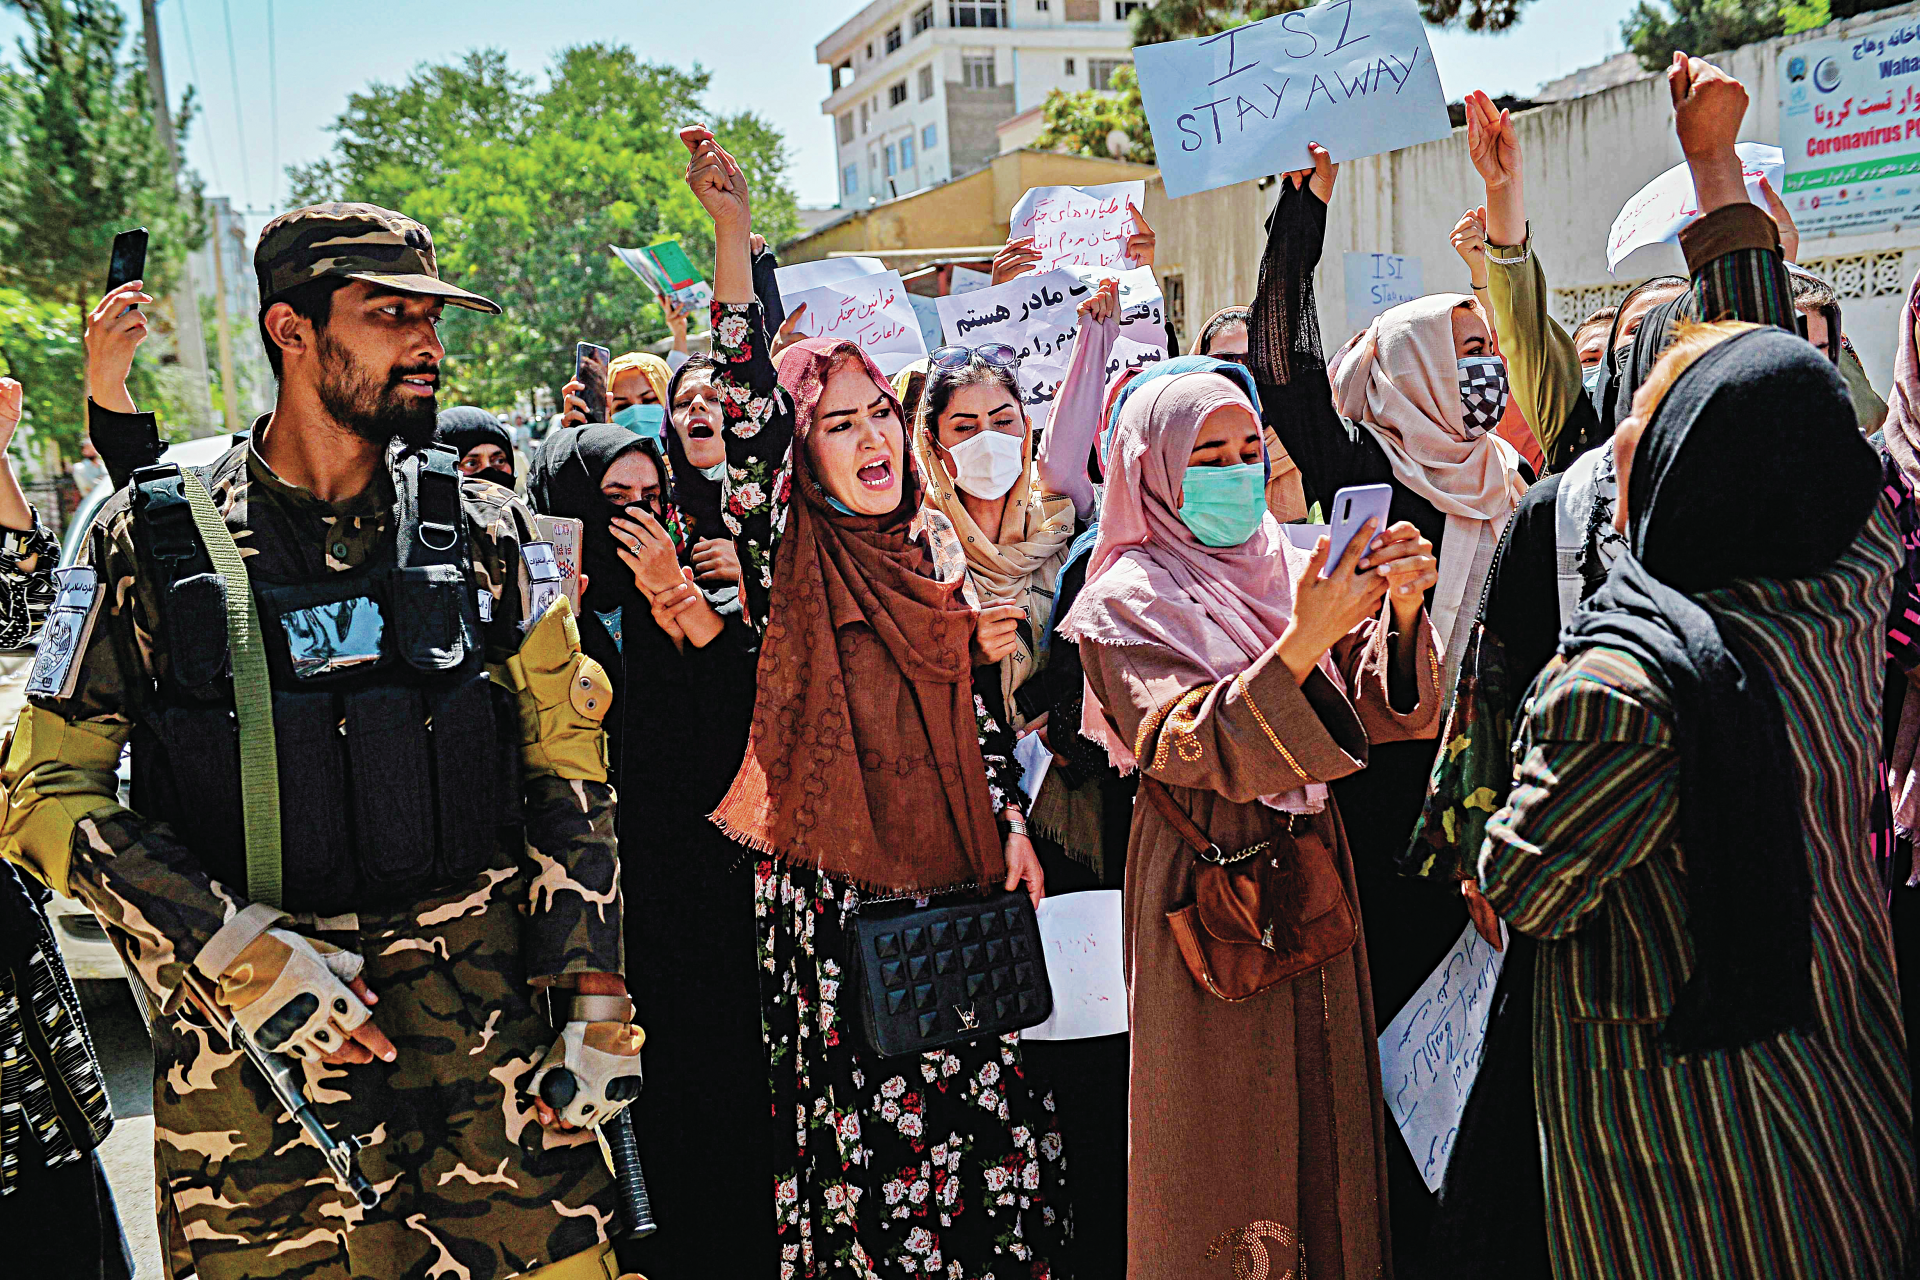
1162 799
252 698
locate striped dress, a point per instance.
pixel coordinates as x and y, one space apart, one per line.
1789 1158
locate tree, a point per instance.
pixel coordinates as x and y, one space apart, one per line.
1082 123
1181 19
81 161
524 187
1653 30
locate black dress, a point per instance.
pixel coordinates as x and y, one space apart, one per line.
676 733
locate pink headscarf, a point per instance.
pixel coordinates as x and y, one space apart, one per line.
1151 582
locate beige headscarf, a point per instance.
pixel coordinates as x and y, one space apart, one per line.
1020 564
651 367
1401 381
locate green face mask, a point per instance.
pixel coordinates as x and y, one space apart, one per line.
1223 505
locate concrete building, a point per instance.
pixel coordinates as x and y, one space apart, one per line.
919 86
1585 156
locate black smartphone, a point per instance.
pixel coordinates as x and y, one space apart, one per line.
590 371
129 260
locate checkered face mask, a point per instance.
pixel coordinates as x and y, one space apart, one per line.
1483 393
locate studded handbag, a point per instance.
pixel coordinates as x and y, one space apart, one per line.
938 975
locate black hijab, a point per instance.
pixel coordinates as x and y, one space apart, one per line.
465 426
1626 371
1751 468
697 497
565 481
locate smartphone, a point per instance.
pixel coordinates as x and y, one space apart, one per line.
128 261
590 371
566 535
1353 507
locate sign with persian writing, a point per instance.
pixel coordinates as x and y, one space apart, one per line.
1079 226
1430 1052
871 311
1659 211
1850 128
1355 76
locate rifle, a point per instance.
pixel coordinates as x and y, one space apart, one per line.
280 1075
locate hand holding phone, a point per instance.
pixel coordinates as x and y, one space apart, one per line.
590 371
1353 507
128 261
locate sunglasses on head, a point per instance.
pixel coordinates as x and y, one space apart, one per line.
1242 358
997 354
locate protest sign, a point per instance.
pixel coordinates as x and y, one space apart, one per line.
1037 315
1355 76
1128 354
1658 211
966 280
1430 1052
1079 226
808 275
1377 281
1081 936
666 269
872 311
1850 128
928 315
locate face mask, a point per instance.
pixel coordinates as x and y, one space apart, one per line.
1591 378
1483 393
988 464
1223 505
496 475
642 419
715 471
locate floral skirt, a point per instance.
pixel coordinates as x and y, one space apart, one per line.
946 1164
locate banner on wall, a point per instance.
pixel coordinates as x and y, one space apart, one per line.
1850 128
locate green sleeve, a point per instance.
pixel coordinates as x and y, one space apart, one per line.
1542 363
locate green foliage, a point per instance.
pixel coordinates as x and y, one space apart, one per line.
1703 27
1078 123
80 161
524 188
1183 19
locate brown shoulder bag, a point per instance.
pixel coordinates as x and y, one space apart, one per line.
1260 916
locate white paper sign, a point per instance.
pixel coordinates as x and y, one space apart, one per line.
871 311
1079 226
1658 211
1080 934
1031 754
1377 282
1850 128
1430 1052
809 275
928 315
966 280
1355 76
1128 354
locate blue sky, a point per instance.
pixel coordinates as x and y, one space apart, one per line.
759 51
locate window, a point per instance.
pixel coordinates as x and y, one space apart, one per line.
863 118
922 18
926 82
890 169
873 159
1083 10
977 13
1039 6
929 138
850 178
897 94
1100 71
846 128
1174 287
839 79
1123 9
893 39
1069 66
976 70
869 51
906 152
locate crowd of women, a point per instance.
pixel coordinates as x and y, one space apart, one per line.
1627 691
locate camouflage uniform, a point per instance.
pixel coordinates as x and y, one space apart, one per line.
473 1186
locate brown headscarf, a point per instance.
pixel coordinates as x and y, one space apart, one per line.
864 756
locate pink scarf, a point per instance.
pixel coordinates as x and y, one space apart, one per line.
1151 582
1903 442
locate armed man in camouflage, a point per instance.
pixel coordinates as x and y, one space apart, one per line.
445 825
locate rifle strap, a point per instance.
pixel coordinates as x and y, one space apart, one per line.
252 698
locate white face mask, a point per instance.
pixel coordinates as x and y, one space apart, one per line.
987 465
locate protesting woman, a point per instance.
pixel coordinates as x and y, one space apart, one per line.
1720 1066
1239 681
682 695
870 772
485 448
1225 336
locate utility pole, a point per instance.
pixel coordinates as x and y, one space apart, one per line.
190 342
229 385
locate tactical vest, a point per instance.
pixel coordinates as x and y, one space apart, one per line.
398 756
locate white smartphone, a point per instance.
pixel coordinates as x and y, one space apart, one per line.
1353 507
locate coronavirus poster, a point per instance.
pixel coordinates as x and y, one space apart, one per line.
1850 130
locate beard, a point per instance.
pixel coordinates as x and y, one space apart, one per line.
372 407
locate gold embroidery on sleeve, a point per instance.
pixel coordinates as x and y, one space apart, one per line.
1266 728
1251 1259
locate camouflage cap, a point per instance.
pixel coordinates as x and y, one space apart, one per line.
354 242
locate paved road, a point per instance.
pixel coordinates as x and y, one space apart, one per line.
121 1039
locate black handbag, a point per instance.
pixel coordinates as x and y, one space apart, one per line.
938 975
